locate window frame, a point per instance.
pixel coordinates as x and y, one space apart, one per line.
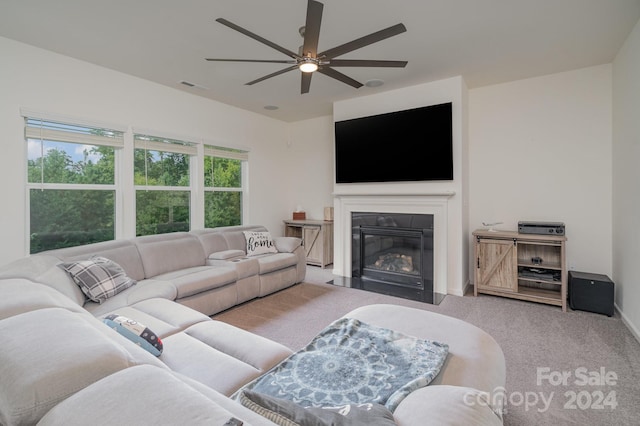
213 152
76 133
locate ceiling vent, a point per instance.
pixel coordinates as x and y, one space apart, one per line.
193 85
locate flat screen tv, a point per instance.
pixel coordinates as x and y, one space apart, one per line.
409 145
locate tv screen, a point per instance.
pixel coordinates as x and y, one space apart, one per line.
410 145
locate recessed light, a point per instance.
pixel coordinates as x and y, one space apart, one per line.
271 107
374 83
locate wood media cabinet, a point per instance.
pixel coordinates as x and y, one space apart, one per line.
317 239
521 266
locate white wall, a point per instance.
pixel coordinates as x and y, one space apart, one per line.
44 81
448 90
626 179
540 149
310 166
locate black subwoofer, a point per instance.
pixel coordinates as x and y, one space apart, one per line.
591 292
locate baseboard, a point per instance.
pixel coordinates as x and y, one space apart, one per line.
457 292
632 328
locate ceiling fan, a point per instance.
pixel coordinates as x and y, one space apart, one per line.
309 59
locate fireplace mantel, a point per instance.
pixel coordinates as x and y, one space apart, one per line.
435 203
446 194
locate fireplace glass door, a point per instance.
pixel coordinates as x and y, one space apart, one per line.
392 255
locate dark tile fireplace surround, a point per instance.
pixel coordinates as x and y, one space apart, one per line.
392 253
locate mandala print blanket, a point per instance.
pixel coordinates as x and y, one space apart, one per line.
351 362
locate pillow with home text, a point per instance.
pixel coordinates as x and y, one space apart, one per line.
259 243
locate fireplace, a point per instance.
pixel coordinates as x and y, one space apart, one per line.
392 253
443 224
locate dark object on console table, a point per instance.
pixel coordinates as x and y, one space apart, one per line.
591 292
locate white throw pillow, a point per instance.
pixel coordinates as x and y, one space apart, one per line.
259 243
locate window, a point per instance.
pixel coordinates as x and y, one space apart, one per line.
163 184
71 187
77 194
223 185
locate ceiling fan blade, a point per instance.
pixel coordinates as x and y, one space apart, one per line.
366 63
312 28
305 82
363 41
339 76
258 38
282 71
284 61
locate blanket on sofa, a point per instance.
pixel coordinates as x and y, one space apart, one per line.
351 362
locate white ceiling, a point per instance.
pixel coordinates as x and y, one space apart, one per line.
166 41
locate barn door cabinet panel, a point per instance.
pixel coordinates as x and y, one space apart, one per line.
317 239
521 266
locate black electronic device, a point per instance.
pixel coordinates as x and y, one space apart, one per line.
541 228
409 145
591 292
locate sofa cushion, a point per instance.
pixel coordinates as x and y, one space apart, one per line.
18 295
212 241
43 268
98 277
135 331
259 243
163 316
235 237
169 252
220 355
286 413
123 252
143 290
277 261
190 281
152 397
48 355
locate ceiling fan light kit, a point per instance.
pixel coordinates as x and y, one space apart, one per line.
323 62
308 65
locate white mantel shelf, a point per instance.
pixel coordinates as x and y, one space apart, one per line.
447 194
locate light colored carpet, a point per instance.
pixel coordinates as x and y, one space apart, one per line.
535 339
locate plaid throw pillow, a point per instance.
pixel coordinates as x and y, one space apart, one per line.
98 277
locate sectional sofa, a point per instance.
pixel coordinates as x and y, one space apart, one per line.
207 270
63 363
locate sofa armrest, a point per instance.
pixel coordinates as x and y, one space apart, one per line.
287 244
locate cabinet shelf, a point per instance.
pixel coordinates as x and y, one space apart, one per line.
538 280
555 267
521 266
545 296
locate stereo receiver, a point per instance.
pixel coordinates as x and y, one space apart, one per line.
541 228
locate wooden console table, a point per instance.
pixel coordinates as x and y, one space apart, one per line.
317 239
521 266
